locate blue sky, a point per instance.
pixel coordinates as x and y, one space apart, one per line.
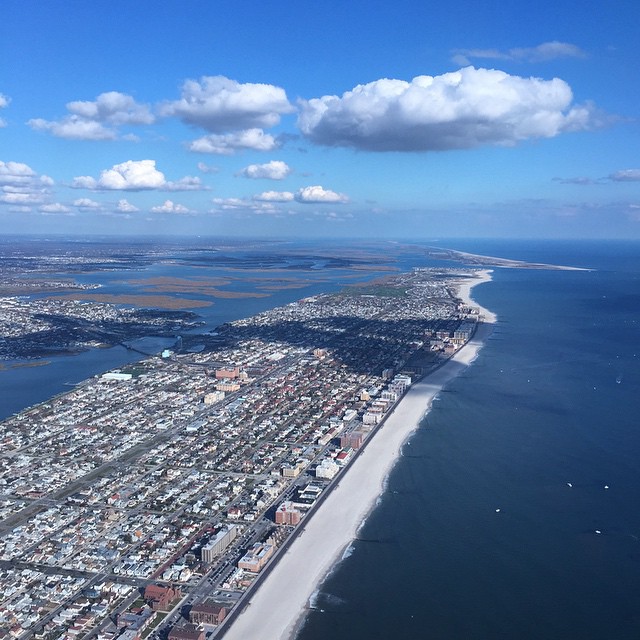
320 119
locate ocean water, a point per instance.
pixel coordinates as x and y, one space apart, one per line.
479 534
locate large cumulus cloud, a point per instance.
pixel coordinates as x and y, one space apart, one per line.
135 175
273 170
317 194
219 104
96 120
459 110
113 107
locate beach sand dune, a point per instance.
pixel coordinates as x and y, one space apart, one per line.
276 609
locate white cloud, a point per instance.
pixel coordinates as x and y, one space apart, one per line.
54 207
21 185
15 172
463 57
274 170
318 194
131 175
98 119
219 104
548 51
205 168
113 107
188 183
228 143
460 110
332 216
626 175
20 197
241 205
274 196
84 182
541 53
74 128
170 207
231 203
135 175
124 206
86 203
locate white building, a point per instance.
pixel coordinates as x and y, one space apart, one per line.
116 375
327 469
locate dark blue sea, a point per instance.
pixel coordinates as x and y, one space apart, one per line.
479 534
514 510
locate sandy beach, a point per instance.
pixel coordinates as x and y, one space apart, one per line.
277 608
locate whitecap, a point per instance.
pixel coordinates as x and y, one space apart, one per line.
348 552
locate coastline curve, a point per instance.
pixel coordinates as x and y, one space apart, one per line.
280 604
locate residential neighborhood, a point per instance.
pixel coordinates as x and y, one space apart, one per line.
147 501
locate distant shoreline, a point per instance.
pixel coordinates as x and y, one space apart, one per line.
474 259
279 606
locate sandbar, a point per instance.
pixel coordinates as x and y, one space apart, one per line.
277 608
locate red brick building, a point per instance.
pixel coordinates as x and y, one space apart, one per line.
227 373
352 440
286 513
207 612
159 598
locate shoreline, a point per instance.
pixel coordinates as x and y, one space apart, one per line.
479 260
321 543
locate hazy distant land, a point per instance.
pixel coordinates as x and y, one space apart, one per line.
491 261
